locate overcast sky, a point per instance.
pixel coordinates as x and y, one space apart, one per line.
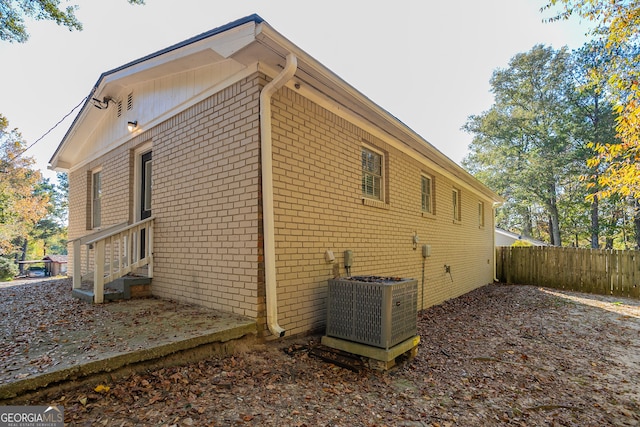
426 62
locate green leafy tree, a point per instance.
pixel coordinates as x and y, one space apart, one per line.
594 121
50 232
13 13
636 221
533 146
616 222
617 25
575 213
61 196
58 242
522 146
8 269
22 202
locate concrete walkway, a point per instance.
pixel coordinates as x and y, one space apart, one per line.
118 336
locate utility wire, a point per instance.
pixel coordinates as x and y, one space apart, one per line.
50 130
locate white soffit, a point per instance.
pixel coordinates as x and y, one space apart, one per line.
182 58
195 60
179 58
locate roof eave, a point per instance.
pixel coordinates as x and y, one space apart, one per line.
269 37
396 127
55 163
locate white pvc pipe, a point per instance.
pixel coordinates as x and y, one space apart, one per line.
267 192
495 267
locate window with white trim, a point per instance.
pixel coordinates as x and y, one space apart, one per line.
372 174
96 199
427 194
456 205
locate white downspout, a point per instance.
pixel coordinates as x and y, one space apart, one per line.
267 192
495 252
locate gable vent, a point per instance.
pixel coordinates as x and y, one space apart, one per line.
119 109
130 101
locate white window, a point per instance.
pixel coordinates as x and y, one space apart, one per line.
96 199
481 214
427 194
372 174
455 198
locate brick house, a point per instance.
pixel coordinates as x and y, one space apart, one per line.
231 166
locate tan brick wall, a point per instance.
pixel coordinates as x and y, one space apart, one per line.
116 169
318 198
206 201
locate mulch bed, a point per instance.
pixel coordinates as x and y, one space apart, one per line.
500 355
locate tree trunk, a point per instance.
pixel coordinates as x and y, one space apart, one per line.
595 224
555 224
527 229
23 254
554 218
608 243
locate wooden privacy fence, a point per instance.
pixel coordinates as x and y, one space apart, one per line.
596 271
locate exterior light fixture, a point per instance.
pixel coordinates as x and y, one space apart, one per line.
132 125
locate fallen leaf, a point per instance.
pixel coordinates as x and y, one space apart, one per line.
102 389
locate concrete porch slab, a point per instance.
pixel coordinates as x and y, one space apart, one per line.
125 336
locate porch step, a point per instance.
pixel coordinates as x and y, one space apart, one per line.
131 287
87 296
124 288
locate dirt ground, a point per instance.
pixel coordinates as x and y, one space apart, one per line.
500 355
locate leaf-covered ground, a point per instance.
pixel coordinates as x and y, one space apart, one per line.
501 355
44 329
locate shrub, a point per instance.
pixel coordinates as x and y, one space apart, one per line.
8 269
521 244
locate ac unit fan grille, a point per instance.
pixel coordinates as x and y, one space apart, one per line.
380 314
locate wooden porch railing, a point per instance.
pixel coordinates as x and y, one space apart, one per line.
117 251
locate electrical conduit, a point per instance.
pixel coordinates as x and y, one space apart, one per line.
267 192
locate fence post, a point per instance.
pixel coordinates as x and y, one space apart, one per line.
589 265
509 265
618 281
602 272
626 278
